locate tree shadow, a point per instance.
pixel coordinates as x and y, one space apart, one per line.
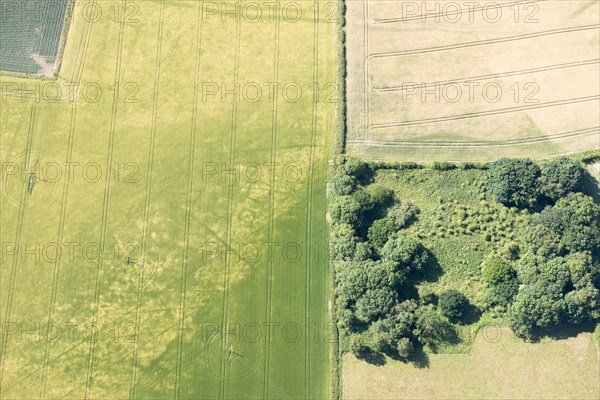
563 332
432 271
372 357
591 187
418 357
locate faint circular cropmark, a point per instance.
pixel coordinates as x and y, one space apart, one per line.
233 352
491 333
29 182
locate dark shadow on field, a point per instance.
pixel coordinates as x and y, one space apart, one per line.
372 357
563 332
418 358
591 186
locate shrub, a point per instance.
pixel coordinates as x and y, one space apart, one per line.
427 295
443 165
403 214
497 270
404 347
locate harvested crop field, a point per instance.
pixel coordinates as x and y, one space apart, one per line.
445 80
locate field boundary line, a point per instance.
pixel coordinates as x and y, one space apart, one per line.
485 113
500 143
141 273
105 210
57 264
490 76
188 207
13 270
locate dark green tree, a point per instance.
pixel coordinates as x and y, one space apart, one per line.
380 232
498 270
514 181
364 251
453 304
560 176
345 210
357 344
583 304
406 251
343 242
358 169
342 185
537 306
432 328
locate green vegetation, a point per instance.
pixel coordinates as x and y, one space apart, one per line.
31 34
425 253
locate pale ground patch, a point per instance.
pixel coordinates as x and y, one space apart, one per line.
500 368
446 80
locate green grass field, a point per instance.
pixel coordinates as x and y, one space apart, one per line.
499 366
190 224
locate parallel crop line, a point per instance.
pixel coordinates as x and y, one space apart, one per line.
485 113
15 259
500 143
309 192
139 296
270 234
188 207
482 42
57 264
228 235
105 210
488 76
